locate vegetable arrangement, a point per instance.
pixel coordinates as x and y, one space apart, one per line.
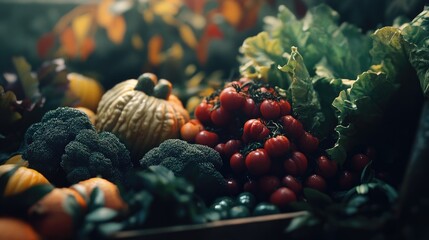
327 128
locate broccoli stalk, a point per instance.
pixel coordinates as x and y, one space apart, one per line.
65 147
196 163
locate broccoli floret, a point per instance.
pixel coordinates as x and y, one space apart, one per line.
66 148
198 164
98 154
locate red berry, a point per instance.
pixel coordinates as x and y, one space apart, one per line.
296 165
237 163
358 162
325 167
292 126
308 143
268 184
316 182
258 162
292 183
282 197
207 138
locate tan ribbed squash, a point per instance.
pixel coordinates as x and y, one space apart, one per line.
141 113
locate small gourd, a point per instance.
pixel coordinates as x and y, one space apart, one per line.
15 179
141 113
87 90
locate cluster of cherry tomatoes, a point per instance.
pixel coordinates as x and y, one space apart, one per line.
266 150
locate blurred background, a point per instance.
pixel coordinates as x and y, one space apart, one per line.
193 43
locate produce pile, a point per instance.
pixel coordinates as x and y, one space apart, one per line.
322 118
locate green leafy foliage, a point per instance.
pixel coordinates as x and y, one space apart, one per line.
155 198
343 83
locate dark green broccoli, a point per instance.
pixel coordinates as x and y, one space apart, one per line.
198 164
66 148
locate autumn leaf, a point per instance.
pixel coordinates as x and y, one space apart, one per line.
154 50
68 42
45 44
251 17
87 47
116 29
197 6
232 12
104 15
137 42
81 26
188 35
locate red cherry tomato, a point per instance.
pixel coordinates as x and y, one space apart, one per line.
316 182
292 183
220 148
277 146
270 109
250 108
308 143
254 129
232 187
285 108
207 138
282 197
202 112
358 162
190 129
258 162
220 117
237 163
325 167
232 146
346 180
231 100
292 126
268 184
296 165
250 186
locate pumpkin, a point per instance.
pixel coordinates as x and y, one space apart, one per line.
12 228
17 160
141 113
91 115
88 91
15 179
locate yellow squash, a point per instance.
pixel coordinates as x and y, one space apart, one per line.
142 113
88 91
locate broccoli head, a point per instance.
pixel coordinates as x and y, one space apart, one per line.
198 164
65 147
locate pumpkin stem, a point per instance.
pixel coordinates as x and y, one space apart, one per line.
146 83
163 89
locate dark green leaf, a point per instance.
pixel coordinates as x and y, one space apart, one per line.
317 198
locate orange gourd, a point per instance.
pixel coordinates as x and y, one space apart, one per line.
20 179
88 91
